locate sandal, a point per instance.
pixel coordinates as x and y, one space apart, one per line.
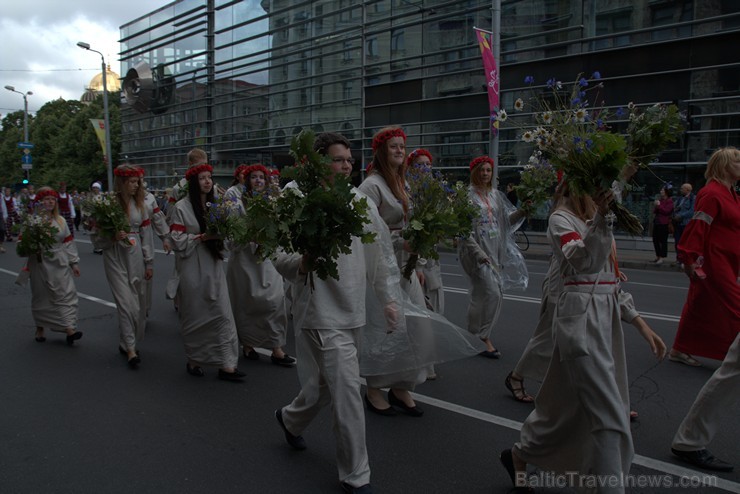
684 358
519 393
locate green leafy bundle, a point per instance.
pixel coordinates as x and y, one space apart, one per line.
107 214
221 217
538 179
316 218
649 132
438 212
37 236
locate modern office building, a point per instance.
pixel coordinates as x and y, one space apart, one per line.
239 78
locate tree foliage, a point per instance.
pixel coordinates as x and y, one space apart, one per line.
66 147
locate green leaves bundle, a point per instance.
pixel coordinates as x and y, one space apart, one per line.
107 214
37 236
538 179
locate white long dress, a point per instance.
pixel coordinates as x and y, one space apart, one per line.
206 320
581 417
53 292
124 262
161 229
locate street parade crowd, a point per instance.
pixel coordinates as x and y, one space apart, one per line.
372 322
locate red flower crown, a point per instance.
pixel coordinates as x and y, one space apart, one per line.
44 193
480 159
416 153
129 172
240 169
194 171
274 172
381 138
256 168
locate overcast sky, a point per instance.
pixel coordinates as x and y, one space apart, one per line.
39 51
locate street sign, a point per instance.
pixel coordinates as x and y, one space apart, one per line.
25 145
27 166
26 159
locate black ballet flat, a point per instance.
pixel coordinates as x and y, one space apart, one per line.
507 460
235 376
251 355
414 411
71 338
134 361
195 370
386 412
40 339
286 361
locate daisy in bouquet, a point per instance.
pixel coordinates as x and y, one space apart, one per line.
438 212
579 143
316 216
538 179
220 217
106 215
37 235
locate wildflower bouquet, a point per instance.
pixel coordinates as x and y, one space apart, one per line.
37 236
316 218
650 131
538 178
107 215
221 217
438 212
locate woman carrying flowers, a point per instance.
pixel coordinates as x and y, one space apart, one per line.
432 286
489 250
128 256
256 289
52 272
206 321
386 186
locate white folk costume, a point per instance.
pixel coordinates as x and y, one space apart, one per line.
492 239
54 295
161 229
125 262
581 417
67 210
433 288
329 321
256 291
391 211
11 214
206 321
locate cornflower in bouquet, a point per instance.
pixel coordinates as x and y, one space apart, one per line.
537 181
220 216
37 236
436 214
316 218
107 214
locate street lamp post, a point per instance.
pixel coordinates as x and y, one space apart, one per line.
25 115
106 116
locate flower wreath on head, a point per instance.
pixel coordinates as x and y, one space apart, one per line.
240 169
274 172
256 168
417 153
381 138
44 193
134 171
194 171
480 159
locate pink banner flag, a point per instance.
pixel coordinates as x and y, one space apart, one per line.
489 63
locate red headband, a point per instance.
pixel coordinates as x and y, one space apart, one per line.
44 193
381 138
274 172
480 159
194 171
240 169
134 171
256 168
418 152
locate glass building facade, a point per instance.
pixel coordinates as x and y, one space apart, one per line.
245 76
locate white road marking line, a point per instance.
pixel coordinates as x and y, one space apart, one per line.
653 284
79 294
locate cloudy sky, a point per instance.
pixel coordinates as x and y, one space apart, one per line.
39 51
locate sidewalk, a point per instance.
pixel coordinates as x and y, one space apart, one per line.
632 252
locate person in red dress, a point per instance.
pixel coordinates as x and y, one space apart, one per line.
710 320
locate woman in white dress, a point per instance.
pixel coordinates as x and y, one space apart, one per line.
128 260
256 289
486 253
206 321
53 291
386 186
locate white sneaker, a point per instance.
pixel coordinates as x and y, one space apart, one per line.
659 262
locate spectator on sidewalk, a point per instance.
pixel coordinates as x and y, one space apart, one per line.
663 213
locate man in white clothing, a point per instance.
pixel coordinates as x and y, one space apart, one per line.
331 318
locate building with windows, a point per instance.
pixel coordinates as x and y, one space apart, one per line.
239 78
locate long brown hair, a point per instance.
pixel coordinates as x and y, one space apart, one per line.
583 206
119 183
395 178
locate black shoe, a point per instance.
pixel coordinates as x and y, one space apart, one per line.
194 370
507 460
286 361
235 376
40 339
387 412
297 442
702 458
495 354
251 355
72 337
122 351
134 361
414 411
363 489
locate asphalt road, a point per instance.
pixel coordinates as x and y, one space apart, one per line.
78 420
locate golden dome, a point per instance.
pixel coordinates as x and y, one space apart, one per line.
112 80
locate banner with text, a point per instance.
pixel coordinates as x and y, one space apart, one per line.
489 63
